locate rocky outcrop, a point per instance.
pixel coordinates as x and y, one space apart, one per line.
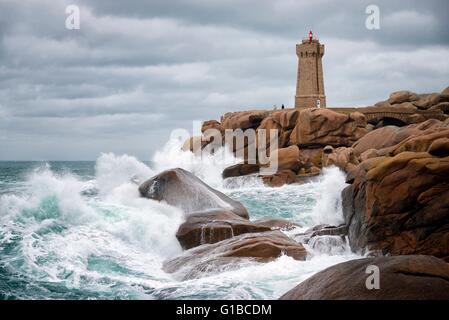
240 169
182 189
214 226
321 127
442 106
343 157
279 178
243 120
286 118
287 158
231 253
269 124
399 204
429 100
414 277
212 124
402 96
276 224
384 137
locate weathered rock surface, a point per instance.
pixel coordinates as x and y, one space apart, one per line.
214 226
383 137
288 158
429 100
400 204
276 224
286 118
243 120
182 189
231 253
442 106
326 127
414 277
269 124
240 169
211 124
279 178
402 96
342 157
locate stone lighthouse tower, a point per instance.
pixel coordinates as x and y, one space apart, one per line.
310 84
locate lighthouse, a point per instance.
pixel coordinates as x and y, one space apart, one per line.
310 82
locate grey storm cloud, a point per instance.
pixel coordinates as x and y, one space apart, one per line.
138 69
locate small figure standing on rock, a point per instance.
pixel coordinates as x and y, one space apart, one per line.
282 106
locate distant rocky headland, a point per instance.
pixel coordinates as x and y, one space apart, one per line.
396 206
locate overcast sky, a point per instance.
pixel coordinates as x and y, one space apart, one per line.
138 69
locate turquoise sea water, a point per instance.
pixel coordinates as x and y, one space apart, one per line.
79 230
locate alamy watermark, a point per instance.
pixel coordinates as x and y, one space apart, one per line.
73 19
373 280
372 21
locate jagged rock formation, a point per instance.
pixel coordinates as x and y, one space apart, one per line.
398 200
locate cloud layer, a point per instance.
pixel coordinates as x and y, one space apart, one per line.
138 69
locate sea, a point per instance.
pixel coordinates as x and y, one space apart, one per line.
80 230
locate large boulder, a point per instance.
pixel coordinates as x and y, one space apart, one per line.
429 100
321 127
231 253
402 96
213 226
414 277
240 169
287 158
384 137
243 119
400 204
182 189
442 106
279 178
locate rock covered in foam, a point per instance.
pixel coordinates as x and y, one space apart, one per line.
412 277
182 189
214 226
231 253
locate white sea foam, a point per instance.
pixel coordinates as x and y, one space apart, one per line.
100 237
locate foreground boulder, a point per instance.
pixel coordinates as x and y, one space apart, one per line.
214 226
184 190
233 252
413 277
